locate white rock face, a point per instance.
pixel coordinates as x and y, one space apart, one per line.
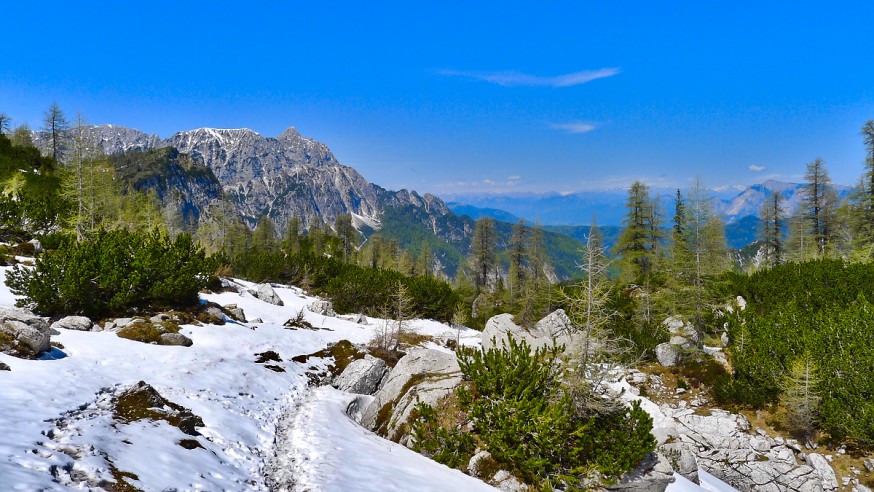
654 474
506 482
556 328
668 354
822 467
423 374
26 341
266 293
80 323
323 307
362 376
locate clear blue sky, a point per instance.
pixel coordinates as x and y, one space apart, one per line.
448 97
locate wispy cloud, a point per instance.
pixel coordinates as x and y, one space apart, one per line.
756 168
574 127
515 79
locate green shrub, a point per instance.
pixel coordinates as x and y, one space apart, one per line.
117 272
522 416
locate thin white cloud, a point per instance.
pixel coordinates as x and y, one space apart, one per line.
488 182
756 168
516 79
573 128
514 178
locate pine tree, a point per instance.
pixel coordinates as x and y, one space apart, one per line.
291 241
516 275
264 236
800 396
483 251
347 234
820 202
772 229
5 123
54 130
425 263
863 223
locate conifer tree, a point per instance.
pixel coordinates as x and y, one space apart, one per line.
483 251
772 229
5 123
291 241
516 275
54 130
863 223
800 396
22 136
425 262
347 234
264 235
639 239
820 202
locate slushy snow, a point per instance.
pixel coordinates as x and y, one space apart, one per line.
57 428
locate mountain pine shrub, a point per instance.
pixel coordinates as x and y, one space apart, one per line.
117 272
521 414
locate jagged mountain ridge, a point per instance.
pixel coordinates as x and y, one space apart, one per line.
289 175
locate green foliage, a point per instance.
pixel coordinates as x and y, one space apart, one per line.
352 288
452 447
117 272
520 414
821 310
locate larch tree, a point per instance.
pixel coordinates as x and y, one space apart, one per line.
863 223
54 131
820 202
483 252
22 136
516 253
800 396
264 235
291 240
5 123
771 232
425 261
347 234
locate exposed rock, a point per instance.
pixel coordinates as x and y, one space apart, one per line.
256 321
22 340
175 339
323 307
362 376
667 354
4 367
79 323
555 328
236 313
214 315
869 465
37 246
506 482
654 474
160 318
682 460
479 462
825 471
423 374
748 462
676 326
26 317
266 293
359 319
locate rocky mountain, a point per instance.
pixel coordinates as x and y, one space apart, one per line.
281 177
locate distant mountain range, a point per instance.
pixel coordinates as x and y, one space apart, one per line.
292 176
608 207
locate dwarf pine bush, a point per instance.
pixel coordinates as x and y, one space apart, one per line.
115 272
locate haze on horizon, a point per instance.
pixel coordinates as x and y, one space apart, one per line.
454 98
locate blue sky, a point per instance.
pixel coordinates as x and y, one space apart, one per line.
452 98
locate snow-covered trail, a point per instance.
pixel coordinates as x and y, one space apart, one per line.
323 450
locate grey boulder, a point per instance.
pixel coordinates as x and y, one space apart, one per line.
362 376
78 323
325 308
266 293
177 339
22 340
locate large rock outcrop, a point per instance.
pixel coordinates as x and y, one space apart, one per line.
23 334
362 376
556 328
424 375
